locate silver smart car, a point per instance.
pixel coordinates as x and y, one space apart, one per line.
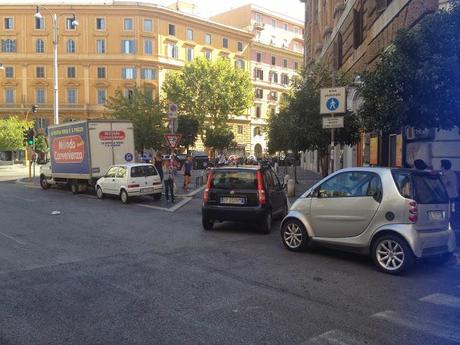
393 215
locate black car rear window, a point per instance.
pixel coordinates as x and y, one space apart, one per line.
424 188
234 180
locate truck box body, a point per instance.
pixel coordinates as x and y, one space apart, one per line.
86 149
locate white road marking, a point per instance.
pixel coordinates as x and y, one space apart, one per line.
439 330
442 299
172 209
12 239
334 337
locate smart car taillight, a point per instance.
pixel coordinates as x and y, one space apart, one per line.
260 188
413 211
208 187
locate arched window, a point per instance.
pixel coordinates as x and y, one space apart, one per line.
70 46
39 46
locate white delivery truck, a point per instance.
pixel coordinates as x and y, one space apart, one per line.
81 152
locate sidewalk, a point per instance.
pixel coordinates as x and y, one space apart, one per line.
305 179
13 172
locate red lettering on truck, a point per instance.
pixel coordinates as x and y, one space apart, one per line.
111 135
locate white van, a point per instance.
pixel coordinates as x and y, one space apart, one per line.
128 180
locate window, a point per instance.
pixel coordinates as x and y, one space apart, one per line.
259 18
100 46
101 96
9 46
40 72
148 47
296 30
285 63
286 27
71 96
40 96
207 39
100 23
259 57
240 64
358 28
273 40
233 180
259 93
350 184
101 73
273 23
259 74
71 46
9 72
121 172
240 46
128 46
296 65
41 122
257 131
258 111
39 46
208 55
274 77
148 25
9 96
224 42
189 53
189 34
39 23
173 51
128 73
9 23
112 172
172 29
128 24
285 43
70 24
296 47
148 74
273 60
148 93
240 129
273 96
285 79
71 72
423 188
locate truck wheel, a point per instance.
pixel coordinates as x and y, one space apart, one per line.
44 182
99 193
74 187
124 196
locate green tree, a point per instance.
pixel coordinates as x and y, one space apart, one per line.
145 113
188 127
12 133
219 138
416 82
209 91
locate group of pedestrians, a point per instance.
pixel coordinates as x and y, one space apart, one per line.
167 169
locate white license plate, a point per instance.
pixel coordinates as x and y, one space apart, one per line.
232 200
435 215
147 190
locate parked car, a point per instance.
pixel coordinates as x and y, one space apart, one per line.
394 215
248 194
128 180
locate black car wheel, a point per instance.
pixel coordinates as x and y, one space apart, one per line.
267 223
207 223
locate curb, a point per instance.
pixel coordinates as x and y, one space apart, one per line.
193 193
26 182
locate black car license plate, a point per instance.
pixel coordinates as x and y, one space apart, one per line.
232 200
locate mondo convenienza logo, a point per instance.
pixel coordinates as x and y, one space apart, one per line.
69 149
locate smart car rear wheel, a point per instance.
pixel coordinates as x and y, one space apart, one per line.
294 235
392 254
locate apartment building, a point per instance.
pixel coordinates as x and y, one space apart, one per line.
275 56
118 45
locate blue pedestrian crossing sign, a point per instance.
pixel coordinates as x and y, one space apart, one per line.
333 100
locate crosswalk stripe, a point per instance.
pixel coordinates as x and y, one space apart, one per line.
442 299
334 337
439 330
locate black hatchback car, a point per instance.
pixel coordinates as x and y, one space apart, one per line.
243 194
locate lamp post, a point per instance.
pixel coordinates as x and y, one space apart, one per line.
54 18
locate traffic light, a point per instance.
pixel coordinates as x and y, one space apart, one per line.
30 137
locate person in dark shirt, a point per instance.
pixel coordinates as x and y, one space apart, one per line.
187 173
159 165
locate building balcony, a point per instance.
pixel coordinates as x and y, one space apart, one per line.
258 26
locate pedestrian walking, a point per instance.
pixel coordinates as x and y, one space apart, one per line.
449 178
168 180
159 165
187 173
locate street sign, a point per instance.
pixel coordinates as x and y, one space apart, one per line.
333 100
333 122
173 124
172 110
173 140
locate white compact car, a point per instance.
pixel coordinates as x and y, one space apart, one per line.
130 180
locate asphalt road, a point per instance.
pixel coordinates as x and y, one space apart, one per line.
106 273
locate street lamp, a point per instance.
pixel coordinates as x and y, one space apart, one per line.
74 22
2 67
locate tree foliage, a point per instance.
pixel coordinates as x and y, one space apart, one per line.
298 125
145 113
209 91
219 138
41 143
416 82
188 127
12 133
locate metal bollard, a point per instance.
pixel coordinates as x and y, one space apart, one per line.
291 188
